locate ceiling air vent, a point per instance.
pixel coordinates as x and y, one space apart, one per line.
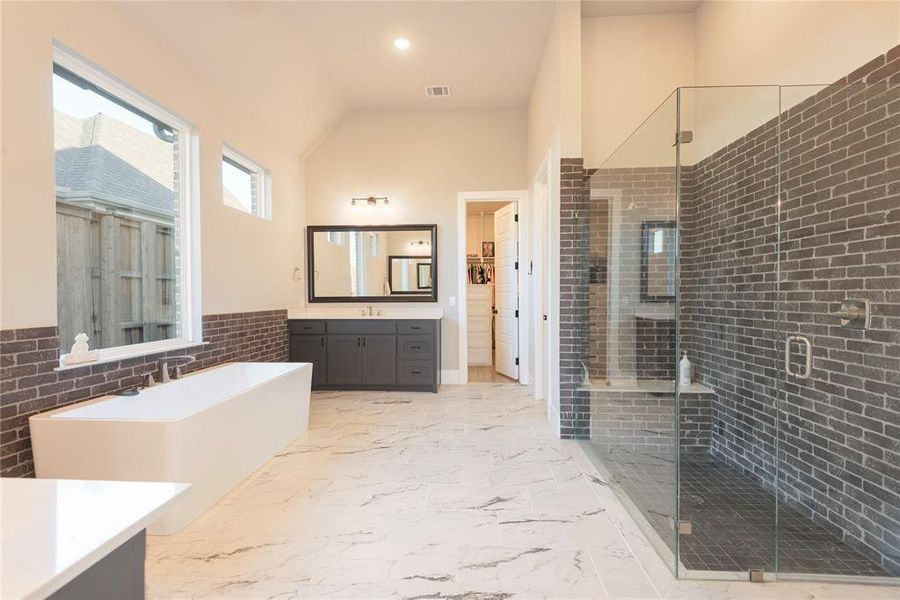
437 91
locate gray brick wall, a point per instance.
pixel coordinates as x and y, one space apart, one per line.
574 301
839 431
29 385
644 422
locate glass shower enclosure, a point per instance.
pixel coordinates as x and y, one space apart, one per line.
753 232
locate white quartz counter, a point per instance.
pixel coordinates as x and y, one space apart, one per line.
382 311
53 530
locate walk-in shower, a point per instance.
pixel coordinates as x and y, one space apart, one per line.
756 231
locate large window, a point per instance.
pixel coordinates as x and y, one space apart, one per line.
245 184
124 215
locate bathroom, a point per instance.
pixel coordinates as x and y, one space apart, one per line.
243 352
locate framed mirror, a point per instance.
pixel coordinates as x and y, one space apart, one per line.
409 274
423 276
658 247
372 263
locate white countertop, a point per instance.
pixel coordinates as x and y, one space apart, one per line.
54 530
387 312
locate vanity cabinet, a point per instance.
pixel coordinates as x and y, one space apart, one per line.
311 349
369 354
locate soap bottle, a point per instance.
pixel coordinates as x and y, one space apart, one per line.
685 370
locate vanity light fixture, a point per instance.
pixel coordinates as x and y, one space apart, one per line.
420 243
371 201
402 44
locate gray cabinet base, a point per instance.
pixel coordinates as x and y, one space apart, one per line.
369 354
118 575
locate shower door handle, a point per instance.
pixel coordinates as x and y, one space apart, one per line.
807 368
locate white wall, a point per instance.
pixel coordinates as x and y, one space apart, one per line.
554 132
632 63
247 262
790 42
420 160
554 111
630 66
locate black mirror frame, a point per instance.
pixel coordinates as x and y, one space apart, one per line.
646 227
391 258
419 276
311 230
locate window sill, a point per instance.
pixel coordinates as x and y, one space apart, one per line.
126 352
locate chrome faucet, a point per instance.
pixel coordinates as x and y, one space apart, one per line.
164 367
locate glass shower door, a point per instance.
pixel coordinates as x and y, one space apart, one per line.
839 413
727 328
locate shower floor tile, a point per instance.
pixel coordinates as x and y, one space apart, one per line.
732 518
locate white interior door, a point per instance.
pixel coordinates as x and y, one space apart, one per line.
506 290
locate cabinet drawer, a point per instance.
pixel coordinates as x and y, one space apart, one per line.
415 327
416 347
307 327
362 326
416 372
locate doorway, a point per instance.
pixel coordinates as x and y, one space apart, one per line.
491 332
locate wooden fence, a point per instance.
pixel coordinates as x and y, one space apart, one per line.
116 277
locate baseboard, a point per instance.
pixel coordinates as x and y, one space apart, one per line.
553 418
449 376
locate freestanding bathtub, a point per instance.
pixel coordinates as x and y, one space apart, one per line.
211 430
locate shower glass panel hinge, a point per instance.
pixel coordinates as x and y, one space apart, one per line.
684 137
684 527
757 575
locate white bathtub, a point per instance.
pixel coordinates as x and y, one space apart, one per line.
211 429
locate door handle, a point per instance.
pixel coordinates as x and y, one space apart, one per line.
807 368
364 342
357 342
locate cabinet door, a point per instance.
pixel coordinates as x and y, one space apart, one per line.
342 362
379 359
311 349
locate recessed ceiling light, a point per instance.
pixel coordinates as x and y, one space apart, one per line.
402 44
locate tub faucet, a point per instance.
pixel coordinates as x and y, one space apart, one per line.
164 376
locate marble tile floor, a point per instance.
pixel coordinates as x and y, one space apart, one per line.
465 494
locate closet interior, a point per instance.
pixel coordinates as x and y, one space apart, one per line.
480 293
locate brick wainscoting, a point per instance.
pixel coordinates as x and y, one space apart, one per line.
30 385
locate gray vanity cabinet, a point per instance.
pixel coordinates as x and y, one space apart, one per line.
379 359
311 349
342 362
369 354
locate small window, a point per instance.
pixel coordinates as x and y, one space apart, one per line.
245 184
125 235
